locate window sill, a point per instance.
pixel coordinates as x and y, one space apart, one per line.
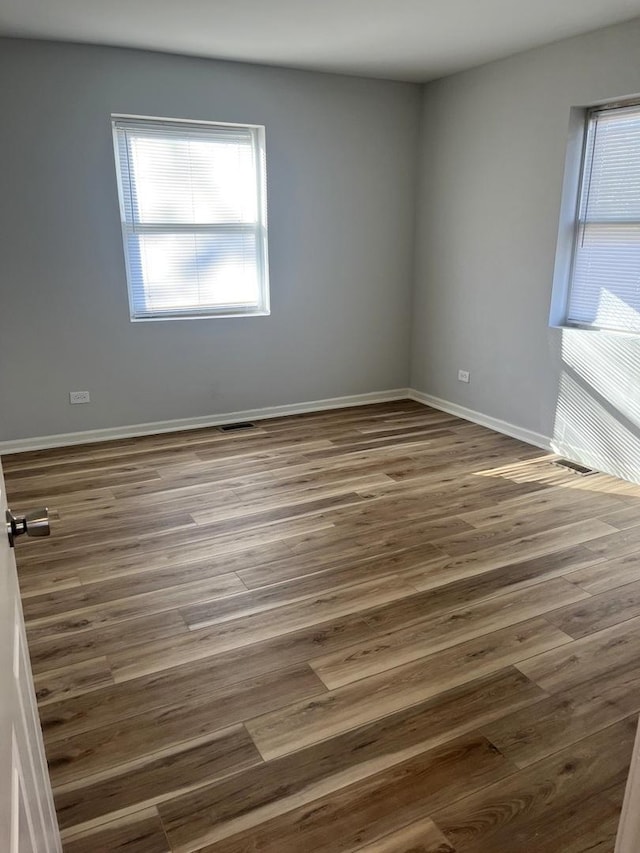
221 316
566 327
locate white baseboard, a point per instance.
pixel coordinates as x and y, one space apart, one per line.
526 435
20 445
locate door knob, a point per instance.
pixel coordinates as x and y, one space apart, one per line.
33 523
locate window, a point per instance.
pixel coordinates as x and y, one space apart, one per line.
605 271
193 210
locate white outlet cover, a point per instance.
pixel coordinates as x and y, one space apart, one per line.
79 397
463 375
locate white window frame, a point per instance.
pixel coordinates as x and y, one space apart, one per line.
262 307
570 225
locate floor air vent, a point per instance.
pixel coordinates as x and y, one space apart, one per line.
236 427
575 467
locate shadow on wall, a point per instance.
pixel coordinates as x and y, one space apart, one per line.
597 420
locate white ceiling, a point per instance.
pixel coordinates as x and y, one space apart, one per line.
400 39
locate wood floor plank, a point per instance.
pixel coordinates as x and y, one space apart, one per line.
592 656
458 486
533 503
23 492
225 753
200 682
600 611
38 583
522 532
58 602
460 459
435 633
277 595
590 825
617 544
326 507
52 653
232 501
567 717
407 421
184 720
72 681
538 545
291 567
627 516
466 591
319 633
248 487
346 707
115 562
280 506
267 790
608 574
521 571
78 556
509 814
231 634
142 833
249 479
124 609
375 512
375 806
422 836
111 528
244 662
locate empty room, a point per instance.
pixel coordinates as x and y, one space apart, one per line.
320 426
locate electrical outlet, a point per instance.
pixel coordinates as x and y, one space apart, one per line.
463 376
79 397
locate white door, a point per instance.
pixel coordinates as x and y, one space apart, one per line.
27 817
628 840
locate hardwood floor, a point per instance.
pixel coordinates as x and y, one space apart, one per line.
380 629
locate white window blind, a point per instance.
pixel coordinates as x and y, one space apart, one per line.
605 279
193 210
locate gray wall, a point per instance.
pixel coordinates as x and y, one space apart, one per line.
493 153
341 159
